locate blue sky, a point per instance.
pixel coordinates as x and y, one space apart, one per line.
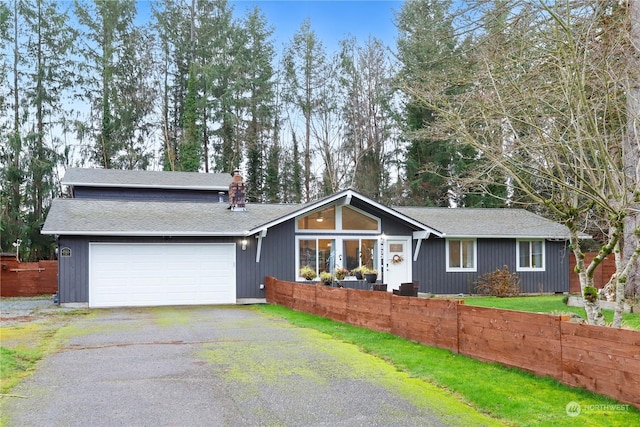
332 20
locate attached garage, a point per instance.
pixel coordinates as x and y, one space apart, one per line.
155 274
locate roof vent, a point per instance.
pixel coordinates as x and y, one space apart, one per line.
237 193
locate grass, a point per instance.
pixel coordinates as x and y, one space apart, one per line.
547 304
24 344
509 395
15 365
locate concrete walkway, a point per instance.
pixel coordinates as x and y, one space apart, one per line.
214 366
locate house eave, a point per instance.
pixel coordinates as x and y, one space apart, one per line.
498 236
145 233
162 187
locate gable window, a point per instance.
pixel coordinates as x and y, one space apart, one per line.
461 254
320 220
338 219
530 254
354 220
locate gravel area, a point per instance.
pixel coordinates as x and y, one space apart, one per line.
27 309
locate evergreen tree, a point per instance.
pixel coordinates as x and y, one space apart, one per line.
107 25
9 199
174 29
429 50
304 62
259 54
49 75
189 149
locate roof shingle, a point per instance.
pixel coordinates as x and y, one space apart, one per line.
146 179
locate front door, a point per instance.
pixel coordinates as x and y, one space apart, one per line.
397 262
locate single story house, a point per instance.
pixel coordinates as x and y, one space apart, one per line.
142 238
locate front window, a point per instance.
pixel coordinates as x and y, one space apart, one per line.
319 254
461 255
357 252
530 255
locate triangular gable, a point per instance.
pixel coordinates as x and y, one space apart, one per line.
347 196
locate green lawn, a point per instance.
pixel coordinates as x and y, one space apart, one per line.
509 395
547 304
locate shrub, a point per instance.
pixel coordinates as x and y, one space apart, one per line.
499 283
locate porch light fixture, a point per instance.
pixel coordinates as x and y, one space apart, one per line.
319 218
244 244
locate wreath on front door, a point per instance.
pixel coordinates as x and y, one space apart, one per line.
397 259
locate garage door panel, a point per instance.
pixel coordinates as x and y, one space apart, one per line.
161 274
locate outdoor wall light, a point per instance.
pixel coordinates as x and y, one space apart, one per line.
244 244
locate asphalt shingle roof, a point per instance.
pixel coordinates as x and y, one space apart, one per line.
161 218
111 217
146 179
503 223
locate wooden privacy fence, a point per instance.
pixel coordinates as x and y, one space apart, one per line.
597 358
601 275
27 279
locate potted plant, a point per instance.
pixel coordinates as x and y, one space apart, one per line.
371 275
326 278
340 273
308 273
358 272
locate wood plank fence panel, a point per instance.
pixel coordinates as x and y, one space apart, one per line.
427 321
369 309
528 341
270 285
304 298
601 275
331 303
27 279
603 360
283 294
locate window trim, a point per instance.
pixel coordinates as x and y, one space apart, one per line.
338 229
450 269
338 242
544 256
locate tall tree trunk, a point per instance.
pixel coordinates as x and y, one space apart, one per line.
631 160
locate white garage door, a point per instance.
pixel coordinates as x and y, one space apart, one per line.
131 274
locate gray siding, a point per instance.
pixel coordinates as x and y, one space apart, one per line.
277 259
492 254
73 271
148 194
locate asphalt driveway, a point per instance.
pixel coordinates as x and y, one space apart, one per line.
213 366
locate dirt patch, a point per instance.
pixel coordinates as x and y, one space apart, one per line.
28 309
